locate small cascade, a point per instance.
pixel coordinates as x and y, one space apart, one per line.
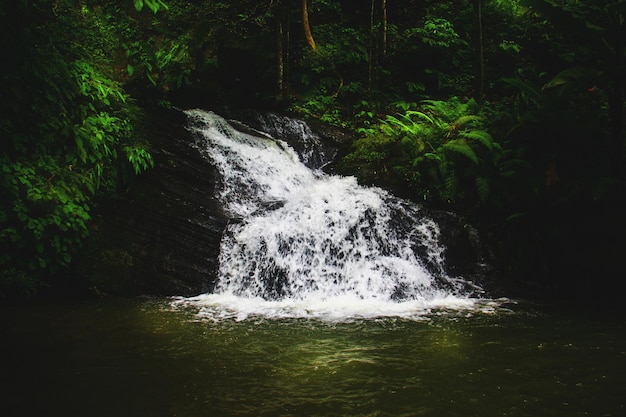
300 137
304 243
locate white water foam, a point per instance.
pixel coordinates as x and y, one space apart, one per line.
307 244
334 309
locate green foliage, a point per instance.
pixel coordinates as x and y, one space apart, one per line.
153 5
46 220
512 8
324 108
438 32
511 46
441 151
554 74
67 138
166 64
139 158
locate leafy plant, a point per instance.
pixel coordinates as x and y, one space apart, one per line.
441 151
153 5
167 66
438 32
69 138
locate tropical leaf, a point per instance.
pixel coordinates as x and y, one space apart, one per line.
570 74
524 87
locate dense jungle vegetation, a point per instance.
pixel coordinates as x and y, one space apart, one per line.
508 112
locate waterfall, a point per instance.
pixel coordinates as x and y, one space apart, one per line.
306 143
304 243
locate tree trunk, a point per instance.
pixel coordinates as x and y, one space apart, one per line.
280 62
307 27
616 98
283 34
384 6
370 60
479 65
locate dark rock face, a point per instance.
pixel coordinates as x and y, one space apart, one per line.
466 254
162 236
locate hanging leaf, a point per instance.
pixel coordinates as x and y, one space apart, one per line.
524 87
570 74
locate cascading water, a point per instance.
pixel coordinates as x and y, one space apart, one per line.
307 144
306 244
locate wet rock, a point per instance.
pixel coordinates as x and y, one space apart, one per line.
162 236
317 144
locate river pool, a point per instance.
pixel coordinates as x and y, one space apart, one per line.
144 357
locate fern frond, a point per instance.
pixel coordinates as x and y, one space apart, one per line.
449 110
406 125
438 107
391 119
480 136
420 115
464 120
387 129
410 125
459 146
451 183
483 189
433 104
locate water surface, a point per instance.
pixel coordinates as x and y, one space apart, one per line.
147 358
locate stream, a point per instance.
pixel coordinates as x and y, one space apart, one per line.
331 299
152 357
